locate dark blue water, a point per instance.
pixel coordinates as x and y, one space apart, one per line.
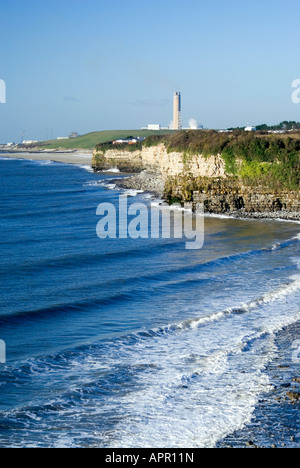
131 343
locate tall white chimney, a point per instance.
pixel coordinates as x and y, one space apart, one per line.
177 112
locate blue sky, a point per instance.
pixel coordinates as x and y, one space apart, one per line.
87 65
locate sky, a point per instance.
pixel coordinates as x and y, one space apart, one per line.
92 65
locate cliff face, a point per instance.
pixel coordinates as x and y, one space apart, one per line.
231 195
198 179
158 160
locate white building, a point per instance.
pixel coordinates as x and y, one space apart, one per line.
29 142
250 129
153 127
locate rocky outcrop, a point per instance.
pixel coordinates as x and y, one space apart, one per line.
158 160
293 396
197 179
125 161
230 195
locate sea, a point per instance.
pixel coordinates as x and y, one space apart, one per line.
132 342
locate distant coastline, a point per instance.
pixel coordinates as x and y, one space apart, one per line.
68 157
230 173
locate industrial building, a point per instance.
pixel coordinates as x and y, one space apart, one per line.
177 112
176 123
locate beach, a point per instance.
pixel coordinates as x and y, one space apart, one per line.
76 157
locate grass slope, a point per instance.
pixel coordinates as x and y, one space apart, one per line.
90 140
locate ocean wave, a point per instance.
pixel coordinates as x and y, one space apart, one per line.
43 162
113 170
219 216
131 192
51 312
93 183
62 309
109 185
250 217
6 158
86 167
203 370
124 192
79 261
270 297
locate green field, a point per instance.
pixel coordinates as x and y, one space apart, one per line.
90 140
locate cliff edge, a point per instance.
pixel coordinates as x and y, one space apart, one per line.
256 174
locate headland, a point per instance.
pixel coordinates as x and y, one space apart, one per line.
236 173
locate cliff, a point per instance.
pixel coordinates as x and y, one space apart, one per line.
217 171
158 160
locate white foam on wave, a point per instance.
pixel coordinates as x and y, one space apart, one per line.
131 193
162 204
250 218
219 216
124 192
109 186
5 158
278 245
268 298
195 396
148 196
43 162
86 167
157 203
186 385
279 293
92 183
206 380
113 170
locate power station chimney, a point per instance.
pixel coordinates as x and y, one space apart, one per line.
177 112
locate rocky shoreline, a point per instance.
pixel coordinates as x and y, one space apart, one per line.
154 184
146 181
275 215
275 422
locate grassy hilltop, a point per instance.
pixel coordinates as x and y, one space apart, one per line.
90 140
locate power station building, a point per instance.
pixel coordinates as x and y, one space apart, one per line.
176 123
177 112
